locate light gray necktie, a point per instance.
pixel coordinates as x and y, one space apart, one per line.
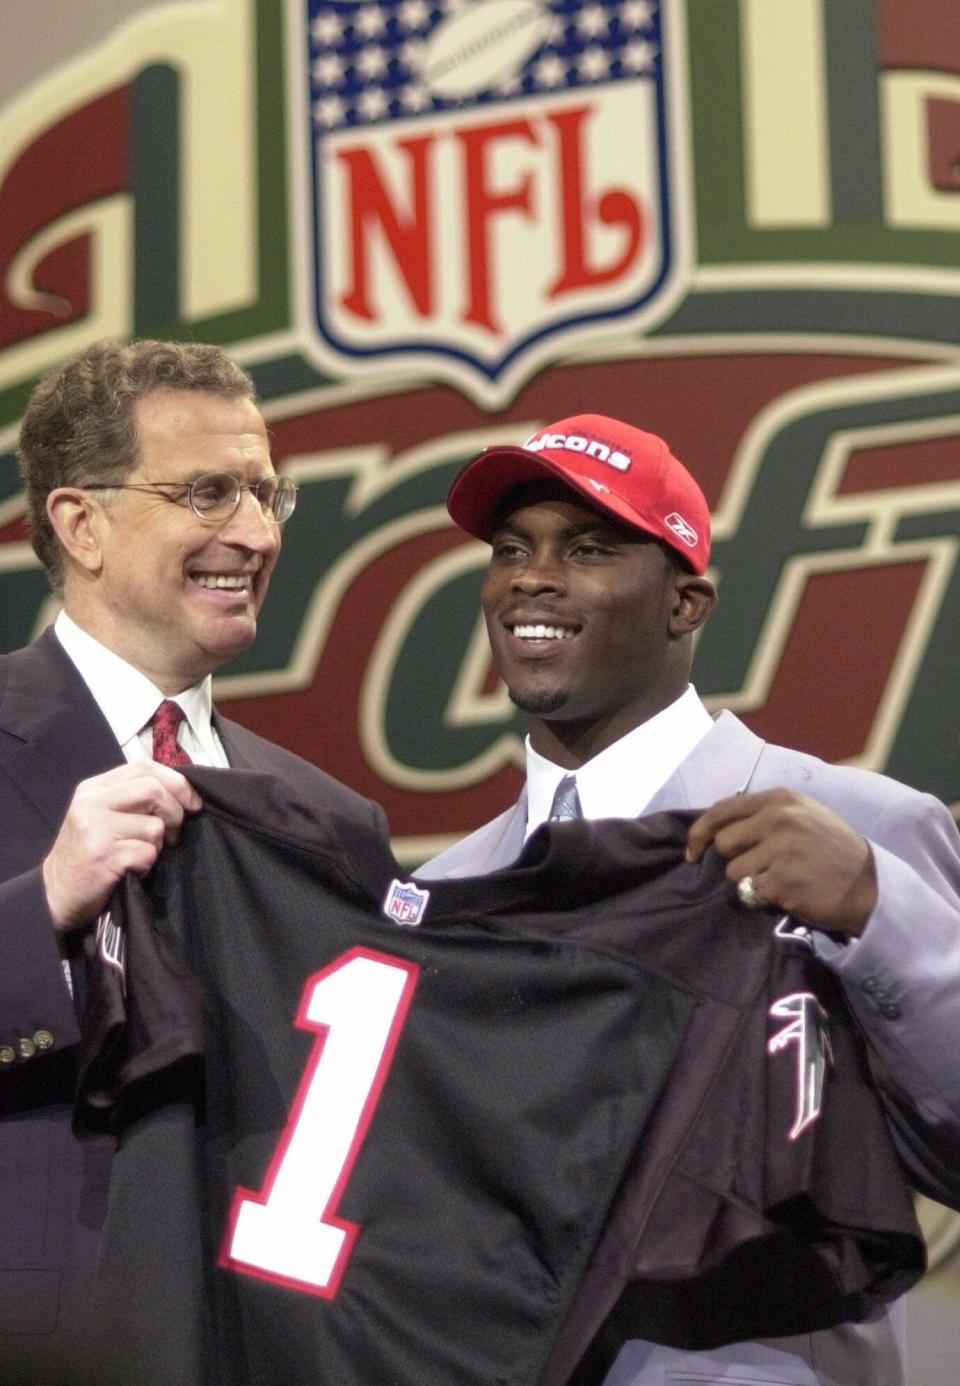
566 800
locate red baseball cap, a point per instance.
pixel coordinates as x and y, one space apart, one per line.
631 474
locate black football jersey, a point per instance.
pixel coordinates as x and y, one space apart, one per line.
377 1132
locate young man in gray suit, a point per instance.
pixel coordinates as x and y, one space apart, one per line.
600 542
155 507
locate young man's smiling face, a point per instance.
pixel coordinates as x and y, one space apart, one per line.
588 621
174 594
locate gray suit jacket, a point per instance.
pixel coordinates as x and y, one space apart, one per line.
53 1187
903 981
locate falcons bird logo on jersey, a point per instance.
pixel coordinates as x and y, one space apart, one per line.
806 1028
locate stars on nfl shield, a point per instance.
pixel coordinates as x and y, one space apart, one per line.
490 177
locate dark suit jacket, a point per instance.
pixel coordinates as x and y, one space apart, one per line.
53 1187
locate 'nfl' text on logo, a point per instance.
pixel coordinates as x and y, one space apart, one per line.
405 902
475 196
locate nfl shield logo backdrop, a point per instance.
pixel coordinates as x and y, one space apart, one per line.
492 180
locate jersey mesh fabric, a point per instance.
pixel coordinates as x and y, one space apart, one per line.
528 1169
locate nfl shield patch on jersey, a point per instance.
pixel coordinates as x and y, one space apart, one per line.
405 902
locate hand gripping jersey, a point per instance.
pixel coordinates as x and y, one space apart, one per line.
371 1134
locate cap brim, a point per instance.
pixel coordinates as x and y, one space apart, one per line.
475 496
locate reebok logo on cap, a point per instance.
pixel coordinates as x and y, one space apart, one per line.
681 529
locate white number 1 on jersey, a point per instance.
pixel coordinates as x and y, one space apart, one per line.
289 1231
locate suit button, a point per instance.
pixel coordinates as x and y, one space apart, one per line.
8 1055
26 1048
890 1010
43 1039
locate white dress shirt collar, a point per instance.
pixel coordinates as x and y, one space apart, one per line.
128 699
621 781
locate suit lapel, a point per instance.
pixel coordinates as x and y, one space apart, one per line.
498 844
723 763
238 743
64 737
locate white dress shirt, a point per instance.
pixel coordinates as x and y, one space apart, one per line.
620 781
128 699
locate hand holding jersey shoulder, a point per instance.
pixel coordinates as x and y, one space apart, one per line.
116 822
802 858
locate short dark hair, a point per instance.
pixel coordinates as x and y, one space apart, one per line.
79 425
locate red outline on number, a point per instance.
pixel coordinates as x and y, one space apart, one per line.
352 1229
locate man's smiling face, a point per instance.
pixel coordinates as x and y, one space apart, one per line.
585 618
176 595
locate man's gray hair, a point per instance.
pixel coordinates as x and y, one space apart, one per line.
79 425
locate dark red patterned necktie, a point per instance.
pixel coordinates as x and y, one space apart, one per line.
165 723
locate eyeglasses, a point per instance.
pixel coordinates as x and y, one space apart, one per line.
216 496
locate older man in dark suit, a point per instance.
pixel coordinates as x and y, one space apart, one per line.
156 510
